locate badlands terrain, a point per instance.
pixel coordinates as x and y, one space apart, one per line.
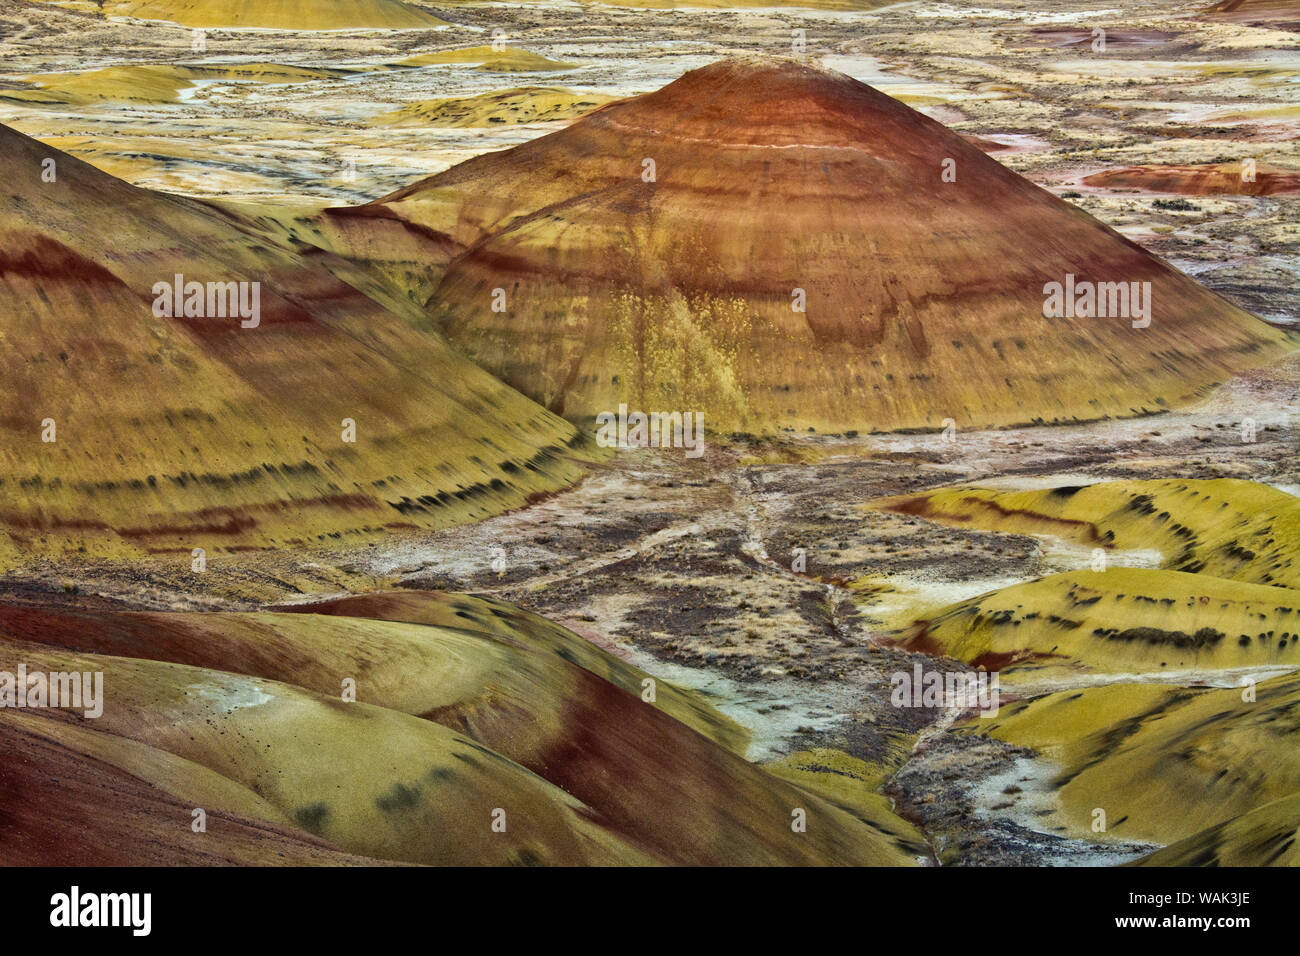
360 646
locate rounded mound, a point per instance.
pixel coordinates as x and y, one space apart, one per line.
131 431
777 246
1230 179
280 14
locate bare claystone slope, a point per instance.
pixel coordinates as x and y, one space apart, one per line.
280 14
655 253
125 433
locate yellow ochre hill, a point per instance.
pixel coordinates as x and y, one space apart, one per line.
151 84
489 59
843 5
529 104
326 418
1225 527
462 707
1164 762
1270 14
1264 836
363 779
280 14
781 246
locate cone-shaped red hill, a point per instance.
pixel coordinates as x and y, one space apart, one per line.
780 246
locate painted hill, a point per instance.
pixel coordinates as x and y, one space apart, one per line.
528 104
776 184
507 59
1262 837
142 798
150 84
361 778
1272 14
170 434
279 14
518 627
1122 620
487 708
838 5
1163 762
1240 530
1212 179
